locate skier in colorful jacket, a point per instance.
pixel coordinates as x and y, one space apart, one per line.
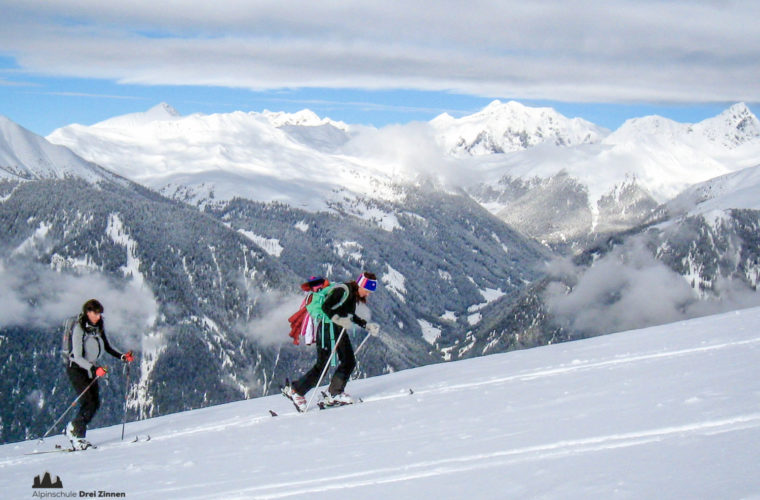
88 341
341 309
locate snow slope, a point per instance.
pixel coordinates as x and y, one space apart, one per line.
737 190
27 156
667 412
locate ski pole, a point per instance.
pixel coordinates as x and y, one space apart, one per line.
73 403
356 355
126 395
324 370
362 344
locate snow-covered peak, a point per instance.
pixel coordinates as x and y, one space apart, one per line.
636 130
303 118
163 110
732 128
506 127
159 112
26 156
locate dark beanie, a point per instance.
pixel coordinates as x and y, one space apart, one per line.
92 305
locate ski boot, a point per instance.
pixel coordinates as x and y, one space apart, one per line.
340 399
298 401
77 443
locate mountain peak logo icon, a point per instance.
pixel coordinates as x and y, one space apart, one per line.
46 481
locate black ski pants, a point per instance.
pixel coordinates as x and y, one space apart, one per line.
345 353
90 400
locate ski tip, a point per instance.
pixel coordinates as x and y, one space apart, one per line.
273 413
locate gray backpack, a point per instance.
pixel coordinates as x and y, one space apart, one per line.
68 329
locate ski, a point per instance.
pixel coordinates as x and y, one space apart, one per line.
323 406
61 449
138 439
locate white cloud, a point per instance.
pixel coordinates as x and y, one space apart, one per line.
612 51
35 296
407 152
272 327
629 289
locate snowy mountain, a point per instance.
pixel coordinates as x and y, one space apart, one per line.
508 127
690 261
27 156
560 181
204 158
669 412
732 129
567 196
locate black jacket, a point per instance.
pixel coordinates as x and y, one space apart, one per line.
332 304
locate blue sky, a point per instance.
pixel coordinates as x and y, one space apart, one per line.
82 61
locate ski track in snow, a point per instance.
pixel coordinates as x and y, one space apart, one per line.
469 463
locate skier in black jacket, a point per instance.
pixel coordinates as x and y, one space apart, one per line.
340 307
88 341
